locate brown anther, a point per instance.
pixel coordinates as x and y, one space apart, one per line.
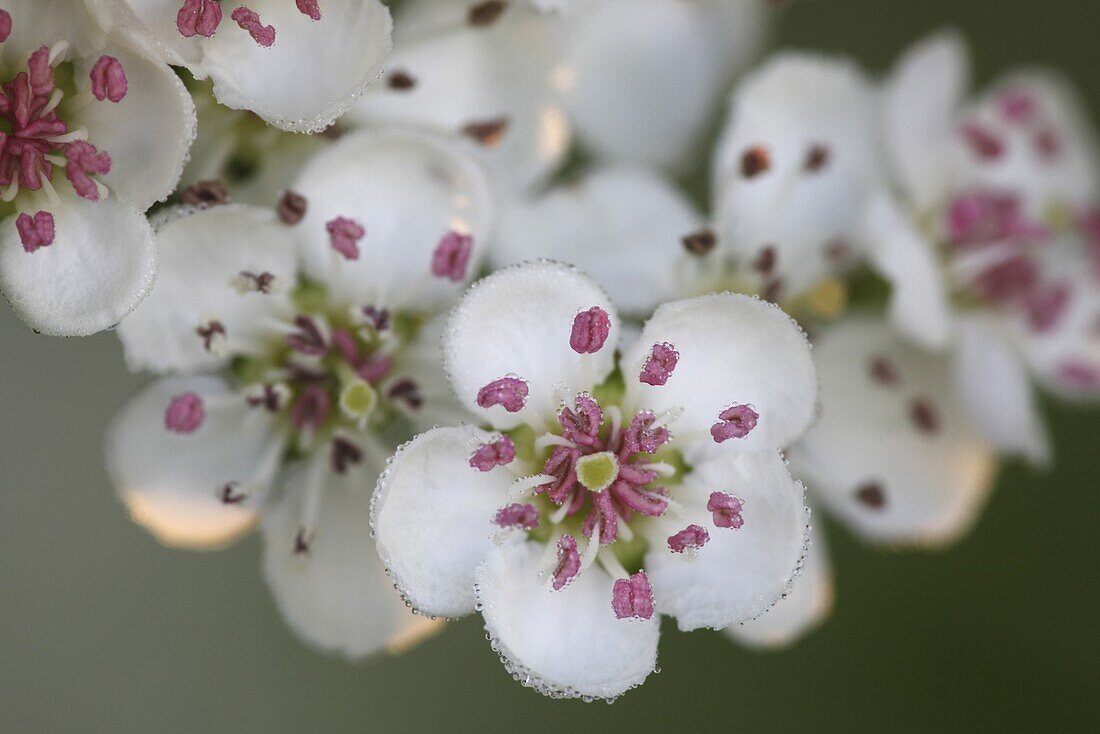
883 371
332 132
700 242
207 193
773 291
344 453
765 261
229 494
755 161
259 283
485 13
837 251
208 332
871 495
407 392
924 416
816 158
269 399
291 207
488 133
400 80
379 318
301 542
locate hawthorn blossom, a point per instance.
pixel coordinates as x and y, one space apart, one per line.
93 131
607 489
298 64
291 369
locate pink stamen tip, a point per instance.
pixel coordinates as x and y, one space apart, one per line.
406 391
344 234
41 72
185 413
493 454
311 408
516 515
1079 374
379 318
1045 305
108 79
581 424
982 141
249 20
35 231
632 597
343 455
1008 279
5 25
659 365
309 7
1048 144
642 436
982 217
1017 106
83 159
508 392
569 562
308 339
452 256
375 368
735 421
693 537
726 510
590 331
562 466
198 18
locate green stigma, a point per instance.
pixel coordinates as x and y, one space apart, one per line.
597 471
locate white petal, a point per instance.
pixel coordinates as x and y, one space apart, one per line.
517 322
919 305
790 108
740 572
642 79
995 390
337 597
432 516
921 100
422 362
153 23
147 134
807 605
202 256
172 482
621 225
313 71
867 458
37 23
567 643
464 74
100 265
407 190
733 349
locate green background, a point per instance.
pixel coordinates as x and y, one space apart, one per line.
101 629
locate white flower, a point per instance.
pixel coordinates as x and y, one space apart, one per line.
304 349
298 64
95 131
614 487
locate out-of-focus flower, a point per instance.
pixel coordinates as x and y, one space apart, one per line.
92 132
304 349
295 63
616 488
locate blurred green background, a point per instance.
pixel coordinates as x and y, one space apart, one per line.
103 630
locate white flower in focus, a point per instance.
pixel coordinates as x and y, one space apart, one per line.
304 347
609 489
92 132
298 64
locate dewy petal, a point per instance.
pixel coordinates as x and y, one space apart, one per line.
742 571
807 605
445 74
408 190
202 256
659 65
564 643
795 165
622 225
733 350
995 389
35 22
516 322
919 306
313 71
147 134
337 597
892 452
921 101
101 263
172 482
432 515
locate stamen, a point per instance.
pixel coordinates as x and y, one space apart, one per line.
735 421
883 371
485 13
547 440
816 158
198 18
55 100
522 486
400 80
292 207
344 234
5 25
691 538
249 20
699 243
590 331
407 392
35 231
108 79
206 193
569 562
379 318
343 455
659 365
233 493
632 597
83 159
248 282
871 495
1079 374
1017 106
452 255
982 141
213 337
185 413
309 339
726 510
496 453
272 397
924 415
487 133
765 261
508 392
309 7
755 161
311 409
517 515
